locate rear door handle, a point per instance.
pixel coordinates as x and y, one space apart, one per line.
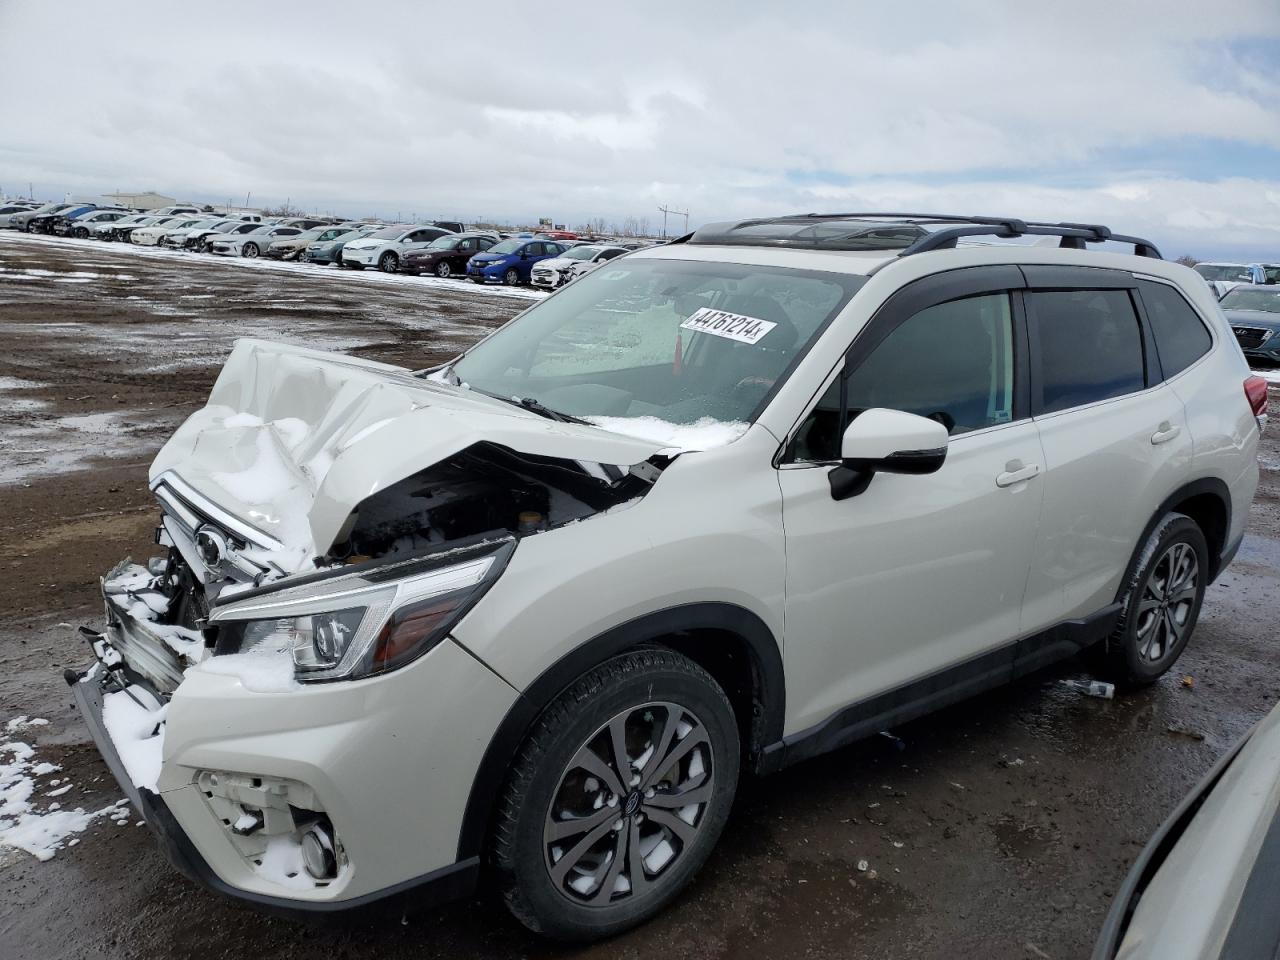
1010 477
1165 432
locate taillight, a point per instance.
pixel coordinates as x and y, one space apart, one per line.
1255 390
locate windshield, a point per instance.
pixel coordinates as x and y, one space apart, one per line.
1252 298
622 343
444 243
1229 271
507 246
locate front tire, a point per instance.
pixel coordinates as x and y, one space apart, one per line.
443 270
511 277
388 262
617 797
1161 604
250 250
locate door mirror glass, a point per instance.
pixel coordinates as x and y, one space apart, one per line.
886 441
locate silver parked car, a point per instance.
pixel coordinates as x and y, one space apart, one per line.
1207 885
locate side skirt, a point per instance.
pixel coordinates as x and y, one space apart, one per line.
943 688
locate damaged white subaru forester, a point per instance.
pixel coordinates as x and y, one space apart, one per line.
715 508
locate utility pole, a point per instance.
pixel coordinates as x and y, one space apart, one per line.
675 213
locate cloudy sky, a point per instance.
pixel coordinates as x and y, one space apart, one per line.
1162 119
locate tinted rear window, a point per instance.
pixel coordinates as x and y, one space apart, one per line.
1090 347
1180 335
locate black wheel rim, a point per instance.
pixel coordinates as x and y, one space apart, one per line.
1168 599
629 804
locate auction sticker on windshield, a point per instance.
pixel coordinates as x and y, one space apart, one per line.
731 326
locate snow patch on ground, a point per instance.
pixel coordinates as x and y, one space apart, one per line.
41 834
701 435
1271 376
137 730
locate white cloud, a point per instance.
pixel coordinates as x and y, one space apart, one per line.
512 110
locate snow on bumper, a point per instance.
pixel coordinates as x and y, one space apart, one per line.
385 764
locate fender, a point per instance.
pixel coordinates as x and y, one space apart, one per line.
770 693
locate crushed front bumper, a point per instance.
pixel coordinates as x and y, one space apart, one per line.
448 883
376 762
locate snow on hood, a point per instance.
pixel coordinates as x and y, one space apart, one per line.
292 440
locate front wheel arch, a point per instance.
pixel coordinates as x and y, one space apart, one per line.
710 634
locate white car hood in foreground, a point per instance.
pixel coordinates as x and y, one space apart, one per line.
292 440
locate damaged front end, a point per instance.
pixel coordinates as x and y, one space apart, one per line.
322 520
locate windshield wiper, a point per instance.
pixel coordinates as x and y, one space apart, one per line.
534 406
543 410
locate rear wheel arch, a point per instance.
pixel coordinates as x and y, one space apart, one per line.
1206 501
729 642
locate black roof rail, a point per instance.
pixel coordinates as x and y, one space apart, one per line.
1074 236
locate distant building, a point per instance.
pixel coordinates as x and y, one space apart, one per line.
142 201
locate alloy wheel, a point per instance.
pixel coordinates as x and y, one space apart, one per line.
511 277
1168 598
442 269
629 804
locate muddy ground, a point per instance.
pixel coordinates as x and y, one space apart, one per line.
998 828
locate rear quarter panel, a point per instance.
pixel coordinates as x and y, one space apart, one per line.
1223 430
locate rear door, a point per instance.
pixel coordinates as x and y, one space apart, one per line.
917 575
1115 436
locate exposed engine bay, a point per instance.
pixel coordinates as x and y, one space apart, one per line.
484 492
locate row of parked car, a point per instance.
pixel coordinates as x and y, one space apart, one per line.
441 248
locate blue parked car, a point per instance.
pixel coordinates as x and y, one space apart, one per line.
511 261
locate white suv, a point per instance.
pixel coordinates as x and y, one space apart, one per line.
719 506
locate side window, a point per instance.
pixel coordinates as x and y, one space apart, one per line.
1090 347
1180 334
467 246
485 243
951 362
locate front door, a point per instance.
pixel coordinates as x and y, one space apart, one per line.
916 574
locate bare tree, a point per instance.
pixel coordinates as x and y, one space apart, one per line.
642 227
1187 260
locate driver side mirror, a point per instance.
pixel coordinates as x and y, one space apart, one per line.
886 441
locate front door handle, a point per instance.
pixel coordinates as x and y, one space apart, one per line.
1018 474
1165 432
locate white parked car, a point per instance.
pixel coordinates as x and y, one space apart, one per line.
573 263
385 248
152 236
103 230
178 238
1223 277
719 506
250 243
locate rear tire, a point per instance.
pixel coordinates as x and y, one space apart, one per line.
639 845
1162 603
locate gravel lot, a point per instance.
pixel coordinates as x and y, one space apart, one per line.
998 828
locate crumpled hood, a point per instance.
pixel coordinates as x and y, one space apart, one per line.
292 440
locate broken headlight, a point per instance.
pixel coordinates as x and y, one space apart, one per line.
361 624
